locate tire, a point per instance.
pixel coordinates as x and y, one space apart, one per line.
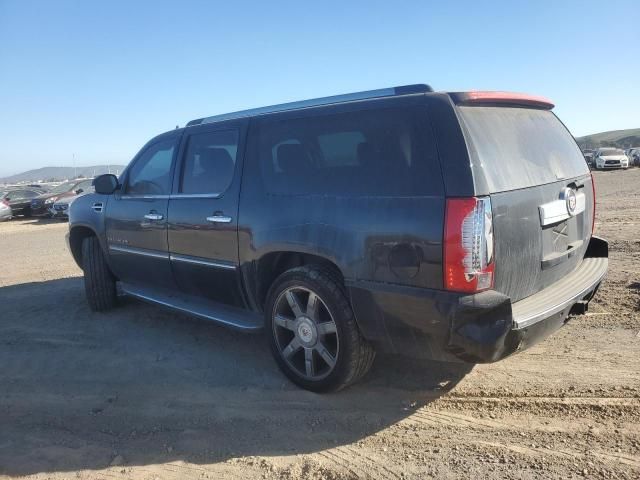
305 344
99 282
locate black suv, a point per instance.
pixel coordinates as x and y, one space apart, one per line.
454 226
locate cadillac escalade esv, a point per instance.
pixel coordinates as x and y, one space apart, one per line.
453 226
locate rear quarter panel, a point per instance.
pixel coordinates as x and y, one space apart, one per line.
395 240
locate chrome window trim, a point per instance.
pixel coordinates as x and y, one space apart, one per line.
143 197
194 195
198 261
139 251
175 196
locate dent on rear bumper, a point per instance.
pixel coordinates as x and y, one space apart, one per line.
476 328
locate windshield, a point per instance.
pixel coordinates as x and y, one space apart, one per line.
63 187
520 147
606 152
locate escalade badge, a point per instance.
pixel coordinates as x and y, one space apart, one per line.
570 198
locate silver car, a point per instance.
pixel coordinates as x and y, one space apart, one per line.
60 209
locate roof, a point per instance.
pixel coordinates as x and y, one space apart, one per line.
349 97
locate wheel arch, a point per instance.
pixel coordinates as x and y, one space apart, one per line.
77 234
271 265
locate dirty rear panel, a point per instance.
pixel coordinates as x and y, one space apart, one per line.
528 255
525 160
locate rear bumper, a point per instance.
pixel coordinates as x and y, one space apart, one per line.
479 328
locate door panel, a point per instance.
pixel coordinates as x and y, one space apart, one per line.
138 245
136 218
203 214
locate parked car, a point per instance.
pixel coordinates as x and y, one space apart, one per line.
60 209
42 205
588 156
19 199
5 211
610 158
634 156
339 228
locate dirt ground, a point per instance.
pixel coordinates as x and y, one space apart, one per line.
144 393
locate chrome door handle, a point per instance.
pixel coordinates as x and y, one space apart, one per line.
153 216
219 219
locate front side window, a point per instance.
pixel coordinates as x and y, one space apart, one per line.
151 173
380 152
62 188
209 162
17 195
30 194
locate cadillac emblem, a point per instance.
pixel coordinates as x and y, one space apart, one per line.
570 198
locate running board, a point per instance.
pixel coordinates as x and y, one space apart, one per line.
233 317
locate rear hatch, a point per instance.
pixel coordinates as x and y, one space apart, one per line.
541 193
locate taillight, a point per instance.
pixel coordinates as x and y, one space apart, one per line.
468 245
593 219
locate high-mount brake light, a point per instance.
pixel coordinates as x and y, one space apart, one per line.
468 245
501 98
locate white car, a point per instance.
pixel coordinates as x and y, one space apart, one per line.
609 158
5 211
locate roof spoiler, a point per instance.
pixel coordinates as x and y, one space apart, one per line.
501 98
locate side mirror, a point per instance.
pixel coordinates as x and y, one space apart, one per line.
7 199
106 184
79 191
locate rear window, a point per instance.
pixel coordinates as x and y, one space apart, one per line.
519 148
381 152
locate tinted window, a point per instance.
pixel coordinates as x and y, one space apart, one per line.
86 186
520 147
384 152
209 162
151 173
62 188
17 194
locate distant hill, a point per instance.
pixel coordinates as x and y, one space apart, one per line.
52 174
616 138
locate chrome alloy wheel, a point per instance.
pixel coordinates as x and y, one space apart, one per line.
305 332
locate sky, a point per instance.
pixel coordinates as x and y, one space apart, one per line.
91 82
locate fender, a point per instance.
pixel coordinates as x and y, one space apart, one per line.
86 219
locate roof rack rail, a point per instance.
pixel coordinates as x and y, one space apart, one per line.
349 97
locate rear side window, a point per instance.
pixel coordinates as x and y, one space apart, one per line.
519 147
380 152
209 162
